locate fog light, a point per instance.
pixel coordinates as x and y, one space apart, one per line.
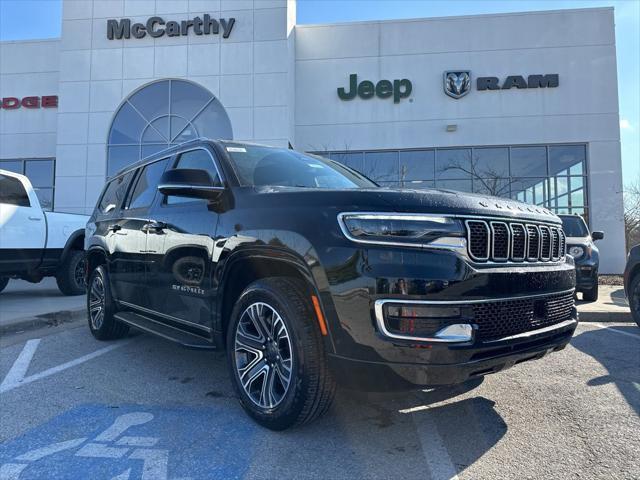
459 332
424 320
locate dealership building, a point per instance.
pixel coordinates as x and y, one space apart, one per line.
521 105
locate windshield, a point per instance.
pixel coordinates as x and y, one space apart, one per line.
574 227
265 166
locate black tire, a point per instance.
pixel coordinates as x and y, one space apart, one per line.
590 295
311 388
99 297
3 283
70 275
634 298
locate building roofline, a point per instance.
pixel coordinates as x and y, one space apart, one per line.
454 17
30 40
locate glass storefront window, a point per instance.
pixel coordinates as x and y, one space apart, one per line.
518 172
528 161
381 166
160 115
40 172
453 163
490 162
416 165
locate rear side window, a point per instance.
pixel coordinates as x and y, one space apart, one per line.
12 192
146 184
114 193
196 159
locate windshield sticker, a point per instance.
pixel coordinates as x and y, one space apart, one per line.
236 150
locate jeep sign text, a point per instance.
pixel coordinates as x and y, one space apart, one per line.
157 27
398 89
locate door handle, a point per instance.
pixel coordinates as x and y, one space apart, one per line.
35 219
154 226
114 228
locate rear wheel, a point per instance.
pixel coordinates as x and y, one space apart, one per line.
70 276
3 283
590 295
634 299
101 308
279 367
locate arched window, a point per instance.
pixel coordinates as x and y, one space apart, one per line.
162 114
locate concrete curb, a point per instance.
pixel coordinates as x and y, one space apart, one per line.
51 319
606 317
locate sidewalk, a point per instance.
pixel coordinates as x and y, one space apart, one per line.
24 306
610 307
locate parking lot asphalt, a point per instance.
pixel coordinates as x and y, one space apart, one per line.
25 305
73 407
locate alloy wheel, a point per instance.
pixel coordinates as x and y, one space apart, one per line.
263 354
96 302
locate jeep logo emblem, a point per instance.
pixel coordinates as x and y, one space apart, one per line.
398 89
457 83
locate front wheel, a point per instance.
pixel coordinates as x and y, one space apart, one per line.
101 308
634 299
275 351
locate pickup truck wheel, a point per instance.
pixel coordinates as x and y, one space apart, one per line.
274 347
634 299
70 276
590 295
3 283
101 308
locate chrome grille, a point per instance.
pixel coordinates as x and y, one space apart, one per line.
501 241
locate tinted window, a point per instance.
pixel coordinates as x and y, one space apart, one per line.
574 227
200 160
114 193
147 184
12 192
262 166
566 159
490 162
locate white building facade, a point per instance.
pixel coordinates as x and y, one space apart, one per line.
518 105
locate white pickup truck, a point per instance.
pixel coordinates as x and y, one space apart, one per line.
36 244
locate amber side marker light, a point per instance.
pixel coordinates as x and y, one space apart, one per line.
321 322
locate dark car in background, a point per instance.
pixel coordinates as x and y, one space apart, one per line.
581 246
308 273
632 282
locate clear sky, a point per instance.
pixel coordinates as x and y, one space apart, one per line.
24 19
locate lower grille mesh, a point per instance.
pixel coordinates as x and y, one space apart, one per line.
510 317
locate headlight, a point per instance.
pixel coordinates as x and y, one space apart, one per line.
403 229
576 252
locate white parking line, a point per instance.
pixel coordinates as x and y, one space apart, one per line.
16 376
433 449
20 366
611 329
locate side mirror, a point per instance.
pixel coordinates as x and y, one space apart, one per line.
598 235
189 182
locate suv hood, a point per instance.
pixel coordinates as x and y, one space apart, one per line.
405 201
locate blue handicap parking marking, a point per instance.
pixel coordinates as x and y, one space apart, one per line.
133 442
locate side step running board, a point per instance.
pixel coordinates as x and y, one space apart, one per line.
186 339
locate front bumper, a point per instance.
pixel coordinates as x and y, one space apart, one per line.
468 362
364 356
586 275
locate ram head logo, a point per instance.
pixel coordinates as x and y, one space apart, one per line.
457 83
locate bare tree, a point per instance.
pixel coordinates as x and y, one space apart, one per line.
632 213
491 181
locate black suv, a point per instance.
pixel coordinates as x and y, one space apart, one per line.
632 282
308 273
586 256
